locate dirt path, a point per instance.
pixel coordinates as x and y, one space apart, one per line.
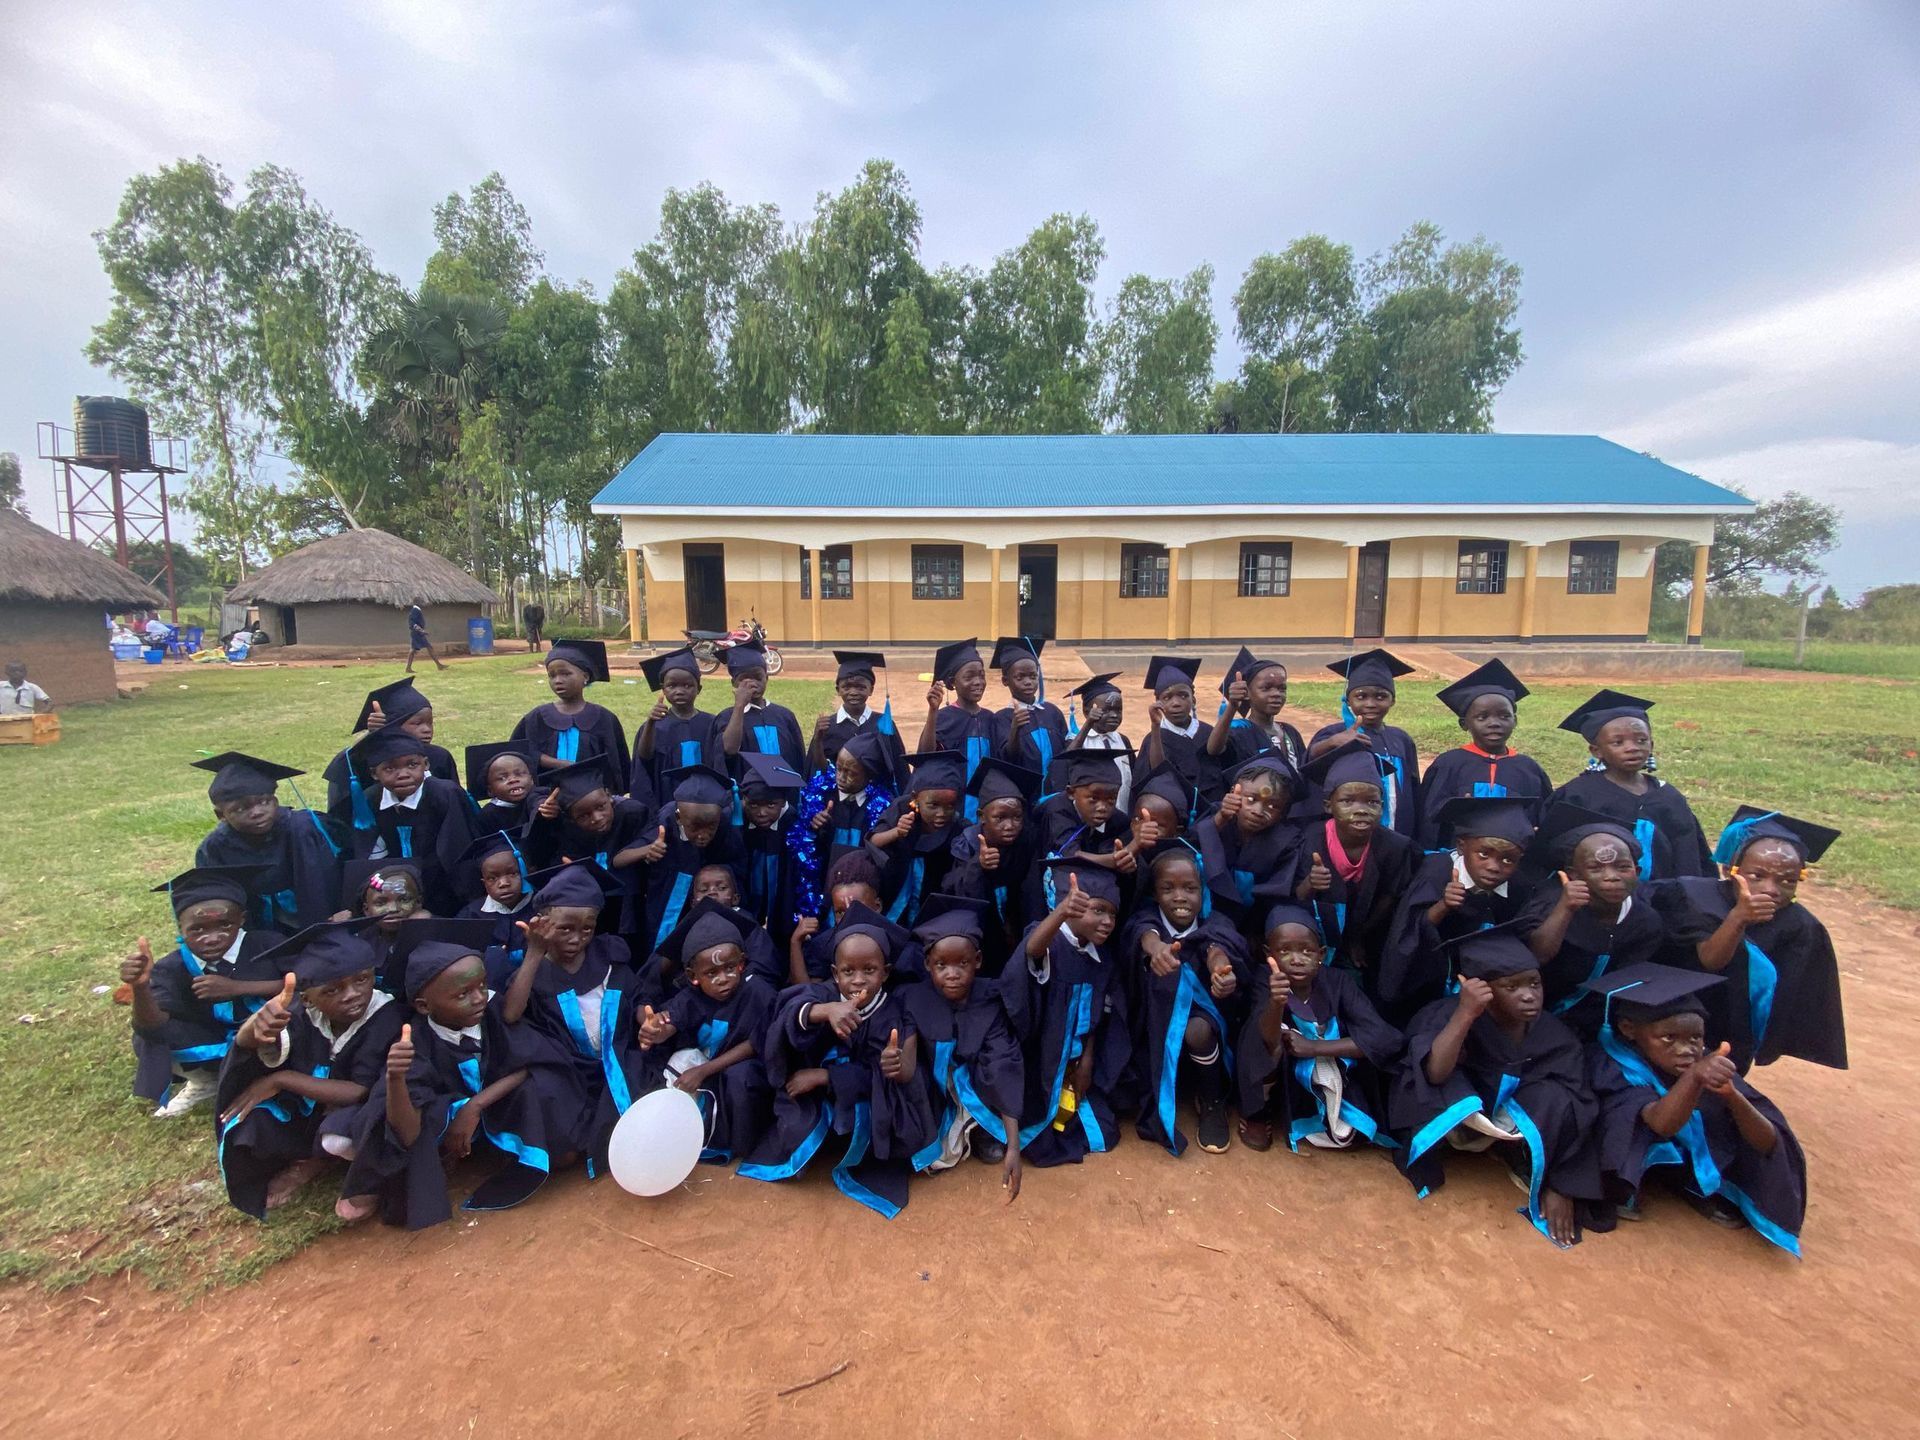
1270 1295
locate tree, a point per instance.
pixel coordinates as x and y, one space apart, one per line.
1032 365
486 244
906 395
1290 311
13 493
146 558
1156 351
1784 537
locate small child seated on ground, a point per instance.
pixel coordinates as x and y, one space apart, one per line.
296 855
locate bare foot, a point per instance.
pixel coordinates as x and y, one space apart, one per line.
290 1181
356 1208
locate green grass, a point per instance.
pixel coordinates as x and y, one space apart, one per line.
89 1185
1832 657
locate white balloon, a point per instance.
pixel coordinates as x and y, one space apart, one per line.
657 1142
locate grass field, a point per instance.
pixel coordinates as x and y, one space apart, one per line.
1900 662
89 1185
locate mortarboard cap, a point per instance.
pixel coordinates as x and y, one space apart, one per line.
1246 665
949 660
859 920
1090 767
1564 826
1165 670
1348 764
858 662
1652 992
937 770
1165 782
768 772
1749 823
1097 686
323 953
1098 883
588 656
1371 667
1273 762
397 701
1009 648
495 842
1492 953
1287 913
1492 678
709 924
389 742
232 883
865 747
699 785
747 655
997 779
1492 817
577 883
480 760
943 916
359 876
236 776
577 781
657 667
428 947
1605 706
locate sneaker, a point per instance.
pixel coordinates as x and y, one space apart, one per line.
196 1090
1214 1135
988 1150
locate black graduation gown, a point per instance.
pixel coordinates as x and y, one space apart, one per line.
1708 1153
1004 887
588 1086
1243 871
1782 991
816 953
1186 756
198 1033
669 880
838 732
676 743
1058 830
351 793
1341 1011
1413 970
594 734
969 1062
968 733
498 815
1046 737
507 934
1081 1003
886 1124
1592 946
661 977
914 867
737 1104
433 834
1356 920
1462 772
769 730
410 1182
633 826
1397 754
302 859
1541 1083
1246 740
1160 1006
1671 840
767 886
288 1128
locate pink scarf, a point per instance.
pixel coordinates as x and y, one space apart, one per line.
1348 870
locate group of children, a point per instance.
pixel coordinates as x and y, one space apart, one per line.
995 946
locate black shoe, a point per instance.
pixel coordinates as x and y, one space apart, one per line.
1210 1105
1599 1216
989 1151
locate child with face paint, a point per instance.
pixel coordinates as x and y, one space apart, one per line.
965 727
1067 1004
1351 870
399 705
188 1002
1251 698
501 780
1671 1109
1248 846
1184 968
912 841
293 856
1487 702
674 733
993 857
1031 731
1782 995
1369 698
1177 738
1619 783
853 682
972 1068
1490 1068
1105 709
302 1067
693 830
1314 1054
417 816
754 723
707 1039
572 730
843 1058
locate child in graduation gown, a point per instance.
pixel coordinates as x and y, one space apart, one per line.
580 818
839 808
454 1082
753 722
768 822
693 830
1351 871
571 729
1031 731
501 780
188 1003
1670 1107
1067 1004
387 893
674 733
1368 701
842 1056
1487 702
1590 917
416 816
1177 737
1314 1054
495 866
1619 783
348 782
968 1059
1106 708
853 683
1472 885
1252 695
965 727
1086 822
1489 1067
1185 975
1249 843
294 856
302 1066
1782 995
993 856
706 1040
854 880
912 841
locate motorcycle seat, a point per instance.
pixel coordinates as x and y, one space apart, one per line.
705 634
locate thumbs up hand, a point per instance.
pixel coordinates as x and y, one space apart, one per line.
272 1018
893 1062
1221 980
137 968
1163 959
989 856
1574 894
656 1027
549 808
1753 909
1319 877
1716 1072
1237 691
656 849
1278 989
400 1055
1074 905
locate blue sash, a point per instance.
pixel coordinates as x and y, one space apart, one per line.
1079 1023
1643 833
1763 979
566 745
1350 1113
1191 995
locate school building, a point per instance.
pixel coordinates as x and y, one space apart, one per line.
1117 540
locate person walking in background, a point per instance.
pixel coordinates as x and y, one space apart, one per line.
533 624
417 634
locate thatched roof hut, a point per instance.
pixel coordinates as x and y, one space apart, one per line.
343 592
54 594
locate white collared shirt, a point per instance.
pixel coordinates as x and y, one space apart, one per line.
336 1043
389 801
230 954
491 906
1172 932
454 1037
1460 874
842 717
1192 728
846 799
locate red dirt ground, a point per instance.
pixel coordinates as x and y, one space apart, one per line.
1272 1295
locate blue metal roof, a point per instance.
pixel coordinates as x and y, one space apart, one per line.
1147 472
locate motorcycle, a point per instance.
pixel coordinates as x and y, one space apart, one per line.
710 646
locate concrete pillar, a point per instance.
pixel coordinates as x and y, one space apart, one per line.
994 552
816 558
1529 587
636 627
1697 602
1353 590
1173 593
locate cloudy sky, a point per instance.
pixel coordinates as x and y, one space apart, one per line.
1717 205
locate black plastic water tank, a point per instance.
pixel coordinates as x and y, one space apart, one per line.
106 427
